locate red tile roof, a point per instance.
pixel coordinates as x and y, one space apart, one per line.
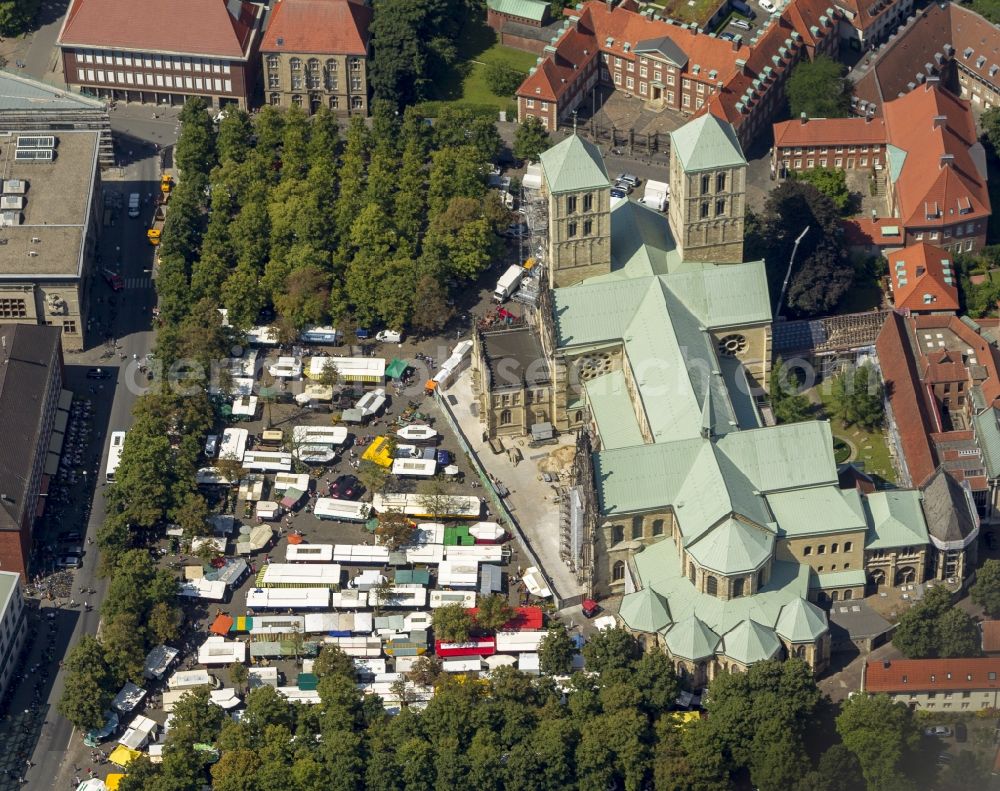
525 619
904 391
884 231
936 130
991 635
325 27
211 28
920 270
932 675
830 132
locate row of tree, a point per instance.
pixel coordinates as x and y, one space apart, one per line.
612 727
385 224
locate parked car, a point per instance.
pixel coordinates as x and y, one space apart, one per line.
961 732
727 36
362 333
69 562
211 445
444 458
618 192
98 373
742 24
517 230
346 487
767 5
938 730
389 336
628 178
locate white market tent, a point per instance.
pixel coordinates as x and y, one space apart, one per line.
487 531
309 553
288 598
267 461
213 590
268 510
483 553
360 647
519 642
296 695
252 488
217 543
368 370
458 573
535 583
361 553
400 596
441 598
332 436
211 476
277 624
348 599
128 697
417 433
225 698
367 579
314 392
333 508
216 650
289 480
301 574
414 468
234 443
263 676
138 733
465 665
189 679
158 661
286 368
371 403
245 406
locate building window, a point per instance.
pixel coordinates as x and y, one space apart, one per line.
617 534
588 202
720 207
738 587
657 527
833 547
297 100
355 64
848 594
848 546
760 579
691 573
334 102
272 61
13 309
588 227
637 531
720 182
297 82
571 229
275 99
273 81
712 585
69 327
704 210
571 204
506 418
295 64
355 83
706 182
618 571
807 550
356 103
821 549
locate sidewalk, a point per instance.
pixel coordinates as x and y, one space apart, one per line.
531 500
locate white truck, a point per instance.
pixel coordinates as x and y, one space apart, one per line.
657 195
133 204
508 283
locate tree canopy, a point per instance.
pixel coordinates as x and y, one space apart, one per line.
934 628
986 591
817 88
832 182
530 139
858 397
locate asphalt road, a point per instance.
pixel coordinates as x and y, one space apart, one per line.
126 316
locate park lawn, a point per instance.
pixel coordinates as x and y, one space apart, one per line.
697 11
871 446
466 84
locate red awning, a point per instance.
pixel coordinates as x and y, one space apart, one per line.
221 625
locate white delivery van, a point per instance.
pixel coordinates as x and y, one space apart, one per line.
133 204
657 195
508 283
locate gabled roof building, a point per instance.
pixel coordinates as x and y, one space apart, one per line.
162 52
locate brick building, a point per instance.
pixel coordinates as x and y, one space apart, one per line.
523 24
669 65
316 53
944 40
866 23
927 143
163 52
31 378
922 279
944 685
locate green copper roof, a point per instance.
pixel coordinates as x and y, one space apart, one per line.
801 622
574 164
692 639
895 519
837 579
733 547
750 643
706 143
644 611
658 566
783 457
987 425
612 409
527 9
796 511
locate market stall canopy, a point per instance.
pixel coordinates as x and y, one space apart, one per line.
95 737
113 780
291 498
221 625
93 784
535 583
128 697
122 756
260 536
352 416
396 368
224 698
500 660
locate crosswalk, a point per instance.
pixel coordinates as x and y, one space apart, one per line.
138 282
